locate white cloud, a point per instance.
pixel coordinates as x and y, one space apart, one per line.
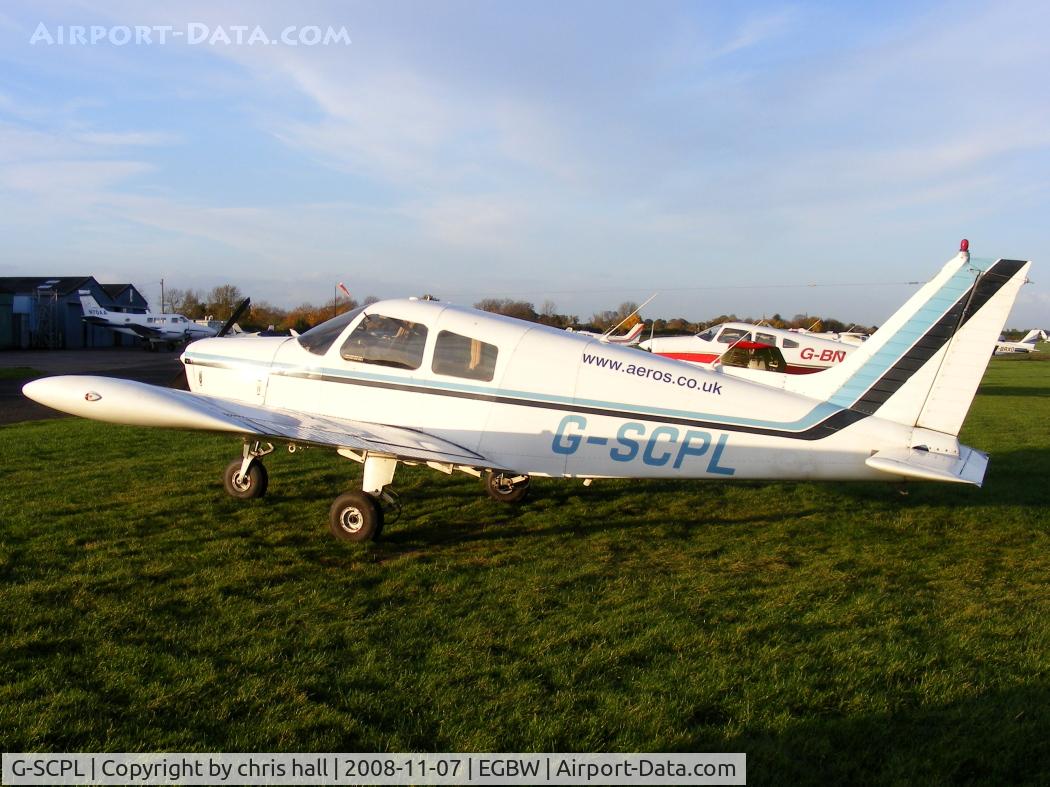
79 179
127 138
757 29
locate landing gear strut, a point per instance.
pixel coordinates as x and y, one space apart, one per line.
246 478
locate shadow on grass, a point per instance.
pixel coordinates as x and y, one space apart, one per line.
998 737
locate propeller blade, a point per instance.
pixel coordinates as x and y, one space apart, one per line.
237 314
179 382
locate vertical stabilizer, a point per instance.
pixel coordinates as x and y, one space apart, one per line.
923 366
90 305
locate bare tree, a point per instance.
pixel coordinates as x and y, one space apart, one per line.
185 302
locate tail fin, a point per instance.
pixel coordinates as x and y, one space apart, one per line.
1032 337
923 366
631 337
90 305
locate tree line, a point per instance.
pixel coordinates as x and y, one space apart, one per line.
220 302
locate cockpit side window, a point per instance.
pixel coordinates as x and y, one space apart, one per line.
708 335
731 335
462 356
321 337
386 341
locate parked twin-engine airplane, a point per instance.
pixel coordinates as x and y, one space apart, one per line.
1026 345
802 353
168 329
423 382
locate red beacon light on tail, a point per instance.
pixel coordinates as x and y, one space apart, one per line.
964 246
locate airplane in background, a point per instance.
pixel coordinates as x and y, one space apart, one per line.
1026 345
629 339
803 353
846 337
157 329
421 382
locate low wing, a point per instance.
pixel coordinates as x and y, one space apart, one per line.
144 331
139 404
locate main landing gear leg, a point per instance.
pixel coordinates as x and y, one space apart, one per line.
506 487
246 477
357 516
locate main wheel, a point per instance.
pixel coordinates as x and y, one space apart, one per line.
355 516
500 487
251 484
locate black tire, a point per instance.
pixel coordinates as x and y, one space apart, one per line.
498 487
355 516
252 485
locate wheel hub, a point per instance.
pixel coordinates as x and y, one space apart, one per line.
351 519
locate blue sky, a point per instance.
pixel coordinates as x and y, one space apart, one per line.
586 153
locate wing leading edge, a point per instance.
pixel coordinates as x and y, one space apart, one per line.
140 404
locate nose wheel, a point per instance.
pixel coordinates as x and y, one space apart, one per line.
245 485
246 478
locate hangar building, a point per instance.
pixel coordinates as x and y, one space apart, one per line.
44 312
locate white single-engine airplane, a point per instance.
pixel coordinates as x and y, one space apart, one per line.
169 329
1025 345
424 382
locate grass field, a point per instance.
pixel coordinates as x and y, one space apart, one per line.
19 373
836 633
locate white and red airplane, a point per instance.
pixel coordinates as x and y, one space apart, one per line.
424 382
803 352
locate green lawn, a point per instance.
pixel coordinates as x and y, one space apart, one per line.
836 633
19 373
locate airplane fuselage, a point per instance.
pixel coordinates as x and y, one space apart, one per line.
804 353
555 404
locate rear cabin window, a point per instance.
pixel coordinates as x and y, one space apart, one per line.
790 344
766 338
386 341
462 356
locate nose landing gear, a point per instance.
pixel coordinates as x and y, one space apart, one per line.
246 478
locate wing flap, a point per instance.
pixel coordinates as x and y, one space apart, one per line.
966 468
140 404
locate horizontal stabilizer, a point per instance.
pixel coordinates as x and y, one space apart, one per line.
966 468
